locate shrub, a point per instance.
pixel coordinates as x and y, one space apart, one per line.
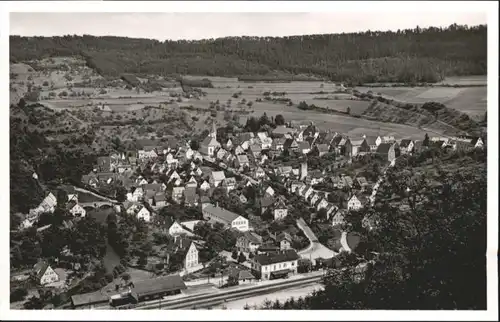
109 277
18 294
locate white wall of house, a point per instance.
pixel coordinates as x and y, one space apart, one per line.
175 229
280 213
191 259
240 223
266 270
78 210
50 276
338 219
354 204
144 214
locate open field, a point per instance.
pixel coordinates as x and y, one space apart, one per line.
466 80
116 103
470 100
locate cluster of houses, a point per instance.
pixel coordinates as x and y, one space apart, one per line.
47 205
176 174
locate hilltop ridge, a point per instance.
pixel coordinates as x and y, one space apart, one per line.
417 55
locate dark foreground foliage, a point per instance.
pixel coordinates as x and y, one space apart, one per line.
431 256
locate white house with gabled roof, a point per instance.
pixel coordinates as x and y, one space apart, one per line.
144 214
354 203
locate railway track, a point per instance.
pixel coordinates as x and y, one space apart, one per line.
209 300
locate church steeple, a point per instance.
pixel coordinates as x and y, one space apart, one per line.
213 134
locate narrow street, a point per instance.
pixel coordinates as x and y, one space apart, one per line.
379 181
315 249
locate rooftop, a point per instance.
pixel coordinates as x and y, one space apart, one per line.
221 213
218 175
160 284
384 148
89 298
278 257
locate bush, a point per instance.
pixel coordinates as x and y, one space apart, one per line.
109 277
18 294
103 91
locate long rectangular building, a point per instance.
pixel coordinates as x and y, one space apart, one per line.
227 218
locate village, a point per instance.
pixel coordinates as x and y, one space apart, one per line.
264 194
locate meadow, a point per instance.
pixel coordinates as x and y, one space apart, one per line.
234 95
470 100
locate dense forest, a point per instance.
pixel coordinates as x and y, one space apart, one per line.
414 55
30 152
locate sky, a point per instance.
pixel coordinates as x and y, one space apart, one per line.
175 26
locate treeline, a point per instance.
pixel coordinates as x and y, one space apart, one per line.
413 55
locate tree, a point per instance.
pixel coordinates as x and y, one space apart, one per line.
121 194
421 260
426 140
125 277
22 103
303 106
34 303
242 258
348 110
304 266
18 294
195 145
234 255
322 215
279 120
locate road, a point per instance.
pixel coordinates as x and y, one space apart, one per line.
95 194
315 249
379 181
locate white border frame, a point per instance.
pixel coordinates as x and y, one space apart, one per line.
373 7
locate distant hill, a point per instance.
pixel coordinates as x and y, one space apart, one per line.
417 55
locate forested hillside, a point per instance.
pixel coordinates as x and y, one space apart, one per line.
418 55
31 152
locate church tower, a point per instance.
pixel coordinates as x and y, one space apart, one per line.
213 134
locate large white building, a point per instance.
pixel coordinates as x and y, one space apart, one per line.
227 218
275 265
